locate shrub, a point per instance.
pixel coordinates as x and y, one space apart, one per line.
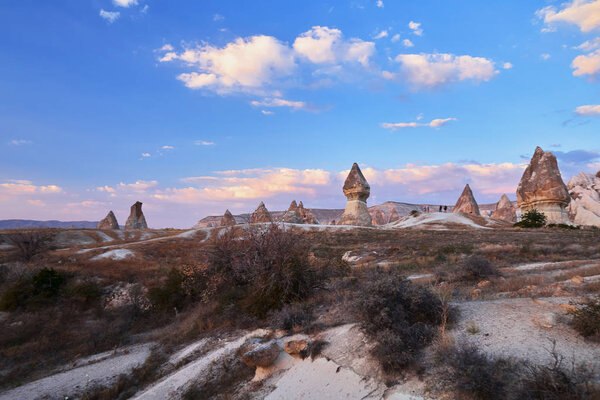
30 242
586 319
170 294
291 317
476 268
563 226
40 289
401 317
532 219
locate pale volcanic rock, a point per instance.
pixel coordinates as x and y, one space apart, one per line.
227 219
505 210
136 218
357 191
466 203
109 222
292 215
307 216
261 214
584 207
543 189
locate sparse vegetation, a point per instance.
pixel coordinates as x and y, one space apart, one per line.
30 242
532 219
477 267
586 319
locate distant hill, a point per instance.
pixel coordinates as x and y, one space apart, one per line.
28 223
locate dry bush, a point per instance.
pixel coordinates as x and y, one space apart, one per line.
586 319
30 242
476 268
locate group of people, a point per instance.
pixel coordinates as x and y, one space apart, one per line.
442 209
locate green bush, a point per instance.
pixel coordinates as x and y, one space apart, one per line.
40 289
532 219
170 295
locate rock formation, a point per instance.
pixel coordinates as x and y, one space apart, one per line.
466 203
292 215
109 222
261 214
505 210
584 207
543 189
136 218
307 216
227 219
357 191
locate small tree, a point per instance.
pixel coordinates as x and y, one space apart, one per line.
532 219
30 242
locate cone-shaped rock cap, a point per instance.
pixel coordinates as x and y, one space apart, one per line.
292 215
109 222
293 206
227 219
356 186
505 210
136 218
261 214
466 202
541 181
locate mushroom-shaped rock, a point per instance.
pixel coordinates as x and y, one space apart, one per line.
136 218
292 215
227 219
543 189
505 210
261 214
109 222
466 203
357 191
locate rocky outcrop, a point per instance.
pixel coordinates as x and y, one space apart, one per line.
584 208
136 218
307 216
357 191
227 219
109 222
543 189
292 215
466 203
261 214
505 210
261 354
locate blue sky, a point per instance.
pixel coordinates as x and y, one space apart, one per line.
193 107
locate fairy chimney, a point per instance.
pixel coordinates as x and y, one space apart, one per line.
543 189
466 203
261 214
227 219
136 218
109 222
357 191
505 210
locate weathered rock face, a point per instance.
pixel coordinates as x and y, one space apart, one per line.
466 203
261 214
292 215
136 218
109 222
584 207
505 210
357 191
227 219
542 188
261 355
307 216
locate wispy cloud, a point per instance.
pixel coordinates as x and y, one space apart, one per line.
110 16
265 112
395 38
415 27
381 34
145 155
507 65
125 3
407 43
19 142
588 110
545 56
166 147
203 143
279 102
218 17
379 3
436 123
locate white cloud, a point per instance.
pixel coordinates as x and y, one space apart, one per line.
145 154
242 65
125 3
588 64
381 35
218 17
545 56
145 9
166 147
322 45
203 143
436 123
17 187
588 110
279 102
110 16
583 13
416 28
431 70
396 37
166 47
20 142
265 112
379 3
407 43
589 45
507 65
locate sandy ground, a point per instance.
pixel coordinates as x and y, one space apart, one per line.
117 254
100 370
524 328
